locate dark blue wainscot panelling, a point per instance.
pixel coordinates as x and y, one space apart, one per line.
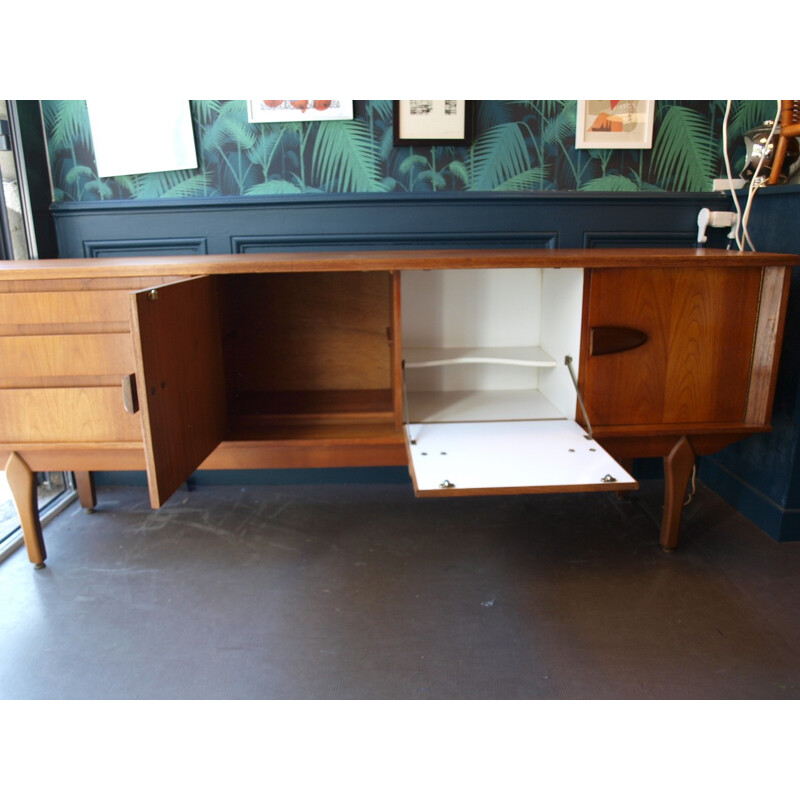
374 221
760 475
463 219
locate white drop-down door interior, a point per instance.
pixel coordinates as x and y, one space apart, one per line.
489 399
512 457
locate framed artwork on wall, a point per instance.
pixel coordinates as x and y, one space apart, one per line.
298 110
433 122
604 124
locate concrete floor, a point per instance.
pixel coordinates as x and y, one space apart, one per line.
365 592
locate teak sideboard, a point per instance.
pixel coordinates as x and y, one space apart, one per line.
484 371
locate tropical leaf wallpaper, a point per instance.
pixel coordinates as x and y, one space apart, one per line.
519 146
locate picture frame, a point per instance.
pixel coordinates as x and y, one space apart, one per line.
615 124
433 123
298 110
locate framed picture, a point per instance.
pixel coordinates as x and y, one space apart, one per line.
604 124
298 110
433 122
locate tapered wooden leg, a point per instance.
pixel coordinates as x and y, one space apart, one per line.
22 483
87 494
678 467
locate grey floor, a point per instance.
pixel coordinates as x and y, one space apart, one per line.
326 592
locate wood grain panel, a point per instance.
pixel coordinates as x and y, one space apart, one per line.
695 364
339 261
180 380
87 414
769 336
312 332
23 358
78 455
396 345
60 278
23 311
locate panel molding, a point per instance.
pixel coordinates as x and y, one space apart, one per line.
263 244
373 221
109 248
609 239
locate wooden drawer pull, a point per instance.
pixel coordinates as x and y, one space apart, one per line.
606 340
130 399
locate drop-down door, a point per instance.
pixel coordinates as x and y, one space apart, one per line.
510 457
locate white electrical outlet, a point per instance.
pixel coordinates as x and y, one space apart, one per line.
724 185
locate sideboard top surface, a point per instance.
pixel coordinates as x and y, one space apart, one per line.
386 260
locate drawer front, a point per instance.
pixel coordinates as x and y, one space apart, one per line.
45 312
63 353
65 359
83 414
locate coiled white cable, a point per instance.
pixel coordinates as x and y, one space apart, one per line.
755 185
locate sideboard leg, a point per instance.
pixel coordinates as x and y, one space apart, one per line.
678 467
22 483
87 493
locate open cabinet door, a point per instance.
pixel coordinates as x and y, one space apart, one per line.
180 379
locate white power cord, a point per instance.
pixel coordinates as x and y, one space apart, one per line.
755 184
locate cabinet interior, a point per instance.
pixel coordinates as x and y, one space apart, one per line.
308 355
490 344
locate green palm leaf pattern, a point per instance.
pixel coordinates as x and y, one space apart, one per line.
520 146
499 155
610 183
274 187
67 123
747 114
684 156
345 157
529 180
176 183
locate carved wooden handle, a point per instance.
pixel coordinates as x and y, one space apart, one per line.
130 399
605 340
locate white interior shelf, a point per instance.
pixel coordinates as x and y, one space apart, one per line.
420 357
473 405
490 345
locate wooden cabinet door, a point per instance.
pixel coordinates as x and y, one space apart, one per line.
692 363
180 379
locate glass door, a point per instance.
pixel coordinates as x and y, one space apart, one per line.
17 241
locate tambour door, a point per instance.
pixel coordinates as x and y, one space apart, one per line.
180 379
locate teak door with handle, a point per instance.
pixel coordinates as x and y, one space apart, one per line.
691 361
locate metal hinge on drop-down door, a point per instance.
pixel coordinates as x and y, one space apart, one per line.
568 362
405 404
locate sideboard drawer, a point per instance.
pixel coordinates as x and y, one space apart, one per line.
74 414
65 360
46 312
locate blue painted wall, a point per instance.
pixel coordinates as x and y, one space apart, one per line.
760 475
